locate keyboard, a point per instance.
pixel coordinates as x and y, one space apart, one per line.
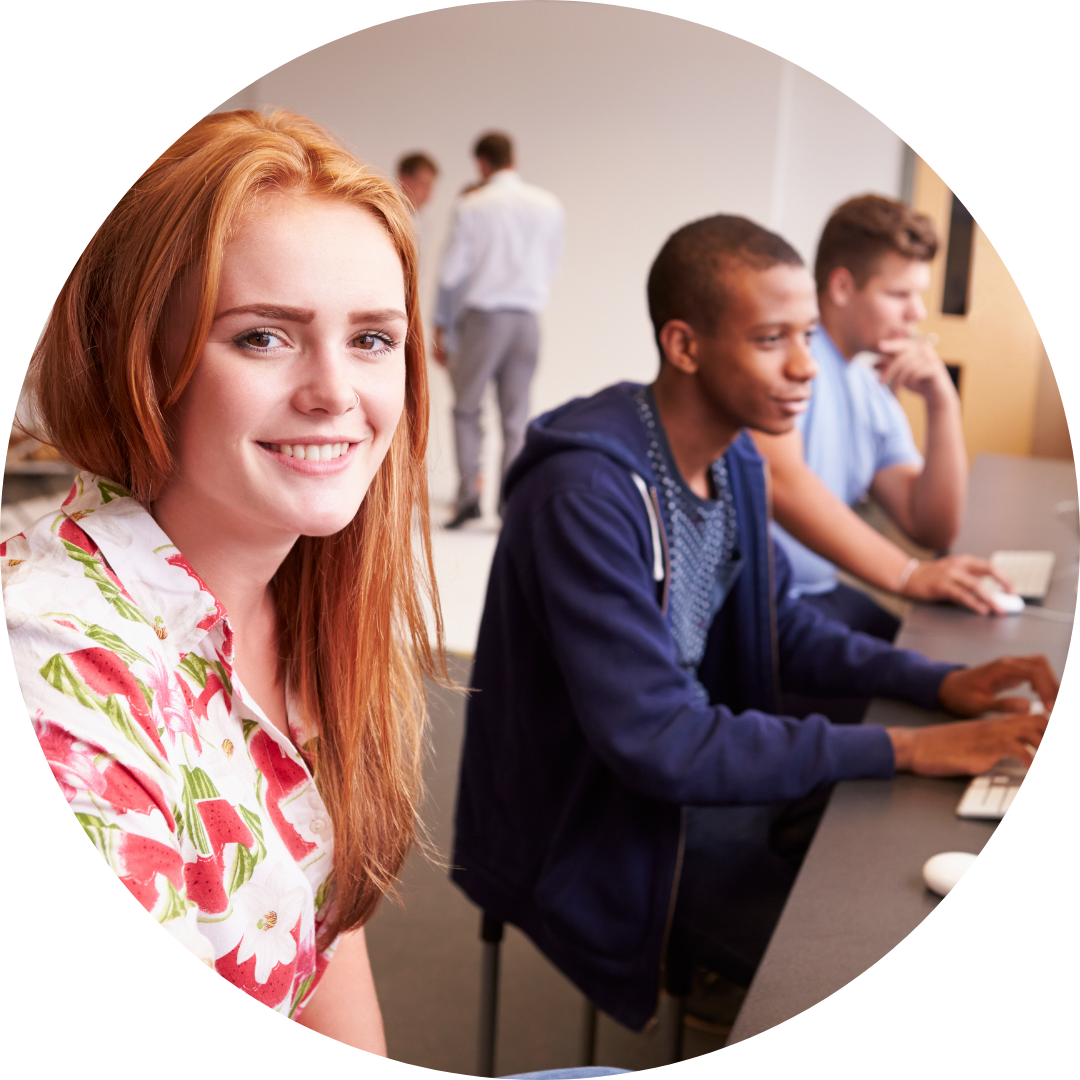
988 796
1029 571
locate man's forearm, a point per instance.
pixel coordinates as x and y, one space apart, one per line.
938 493
808 510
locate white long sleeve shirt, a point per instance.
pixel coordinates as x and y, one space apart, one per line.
505 245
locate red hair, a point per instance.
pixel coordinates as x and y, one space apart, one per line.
353 634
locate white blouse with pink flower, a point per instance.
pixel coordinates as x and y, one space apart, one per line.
205 810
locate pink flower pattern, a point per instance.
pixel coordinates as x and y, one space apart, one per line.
206 821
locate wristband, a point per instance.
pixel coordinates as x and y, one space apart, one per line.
905 574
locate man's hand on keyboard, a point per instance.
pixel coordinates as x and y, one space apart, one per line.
957 578
973 691
968 747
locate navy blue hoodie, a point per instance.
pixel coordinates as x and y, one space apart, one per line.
584 738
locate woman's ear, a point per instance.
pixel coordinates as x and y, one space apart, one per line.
678 343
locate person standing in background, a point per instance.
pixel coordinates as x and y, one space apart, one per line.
416 173
449 305
504 248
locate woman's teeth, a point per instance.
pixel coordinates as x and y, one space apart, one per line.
323 452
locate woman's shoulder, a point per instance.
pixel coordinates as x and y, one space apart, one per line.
73 625
43 562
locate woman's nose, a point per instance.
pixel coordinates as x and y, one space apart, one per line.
327 388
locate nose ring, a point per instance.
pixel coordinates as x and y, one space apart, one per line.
355 403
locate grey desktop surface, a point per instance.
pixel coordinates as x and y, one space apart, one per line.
860 889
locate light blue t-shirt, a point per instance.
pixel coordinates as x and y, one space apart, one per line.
853 428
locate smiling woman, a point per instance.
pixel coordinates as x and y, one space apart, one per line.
221 637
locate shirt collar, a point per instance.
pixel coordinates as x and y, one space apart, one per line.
505 176
152 572
830 346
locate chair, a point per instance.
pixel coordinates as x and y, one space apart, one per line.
676 981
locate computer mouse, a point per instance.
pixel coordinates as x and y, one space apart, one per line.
1004 603
1007 603
942 872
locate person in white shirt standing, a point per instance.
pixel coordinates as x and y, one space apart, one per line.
503 252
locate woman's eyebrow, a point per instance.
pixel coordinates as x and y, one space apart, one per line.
306 315
270 311
380 315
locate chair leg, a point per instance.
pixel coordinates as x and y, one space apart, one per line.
588 1035
678 1027
491 933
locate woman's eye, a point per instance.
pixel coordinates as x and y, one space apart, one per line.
260 339
371 342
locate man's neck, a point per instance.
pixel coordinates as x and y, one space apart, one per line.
833 325
696 434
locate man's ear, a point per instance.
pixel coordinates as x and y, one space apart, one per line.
678 342
840 288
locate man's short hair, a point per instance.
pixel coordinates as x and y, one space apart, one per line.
496 149
411 164
863 229
687 278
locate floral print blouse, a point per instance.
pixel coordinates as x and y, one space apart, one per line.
205 810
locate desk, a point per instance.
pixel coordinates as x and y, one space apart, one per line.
860 889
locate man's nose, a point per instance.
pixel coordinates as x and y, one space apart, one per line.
801 365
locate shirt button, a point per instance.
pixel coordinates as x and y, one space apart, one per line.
318 825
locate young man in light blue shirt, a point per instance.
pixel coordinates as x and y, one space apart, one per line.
873 265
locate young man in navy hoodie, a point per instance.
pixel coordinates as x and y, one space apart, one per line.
625 782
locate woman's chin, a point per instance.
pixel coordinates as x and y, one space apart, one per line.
323 525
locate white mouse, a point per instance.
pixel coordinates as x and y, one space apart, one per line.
1007 603
942 872
1004 603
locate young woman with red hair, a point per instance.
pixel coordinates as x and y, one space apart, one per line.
221 637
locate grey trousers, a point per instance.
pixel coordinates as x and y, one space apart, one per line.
492 345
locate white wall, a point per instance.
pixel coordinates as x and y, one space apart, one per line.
638 122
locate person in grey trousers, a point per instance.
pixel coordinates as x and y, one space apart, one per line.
504 248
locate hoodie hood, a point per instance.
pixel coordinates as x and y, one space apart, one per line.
607 422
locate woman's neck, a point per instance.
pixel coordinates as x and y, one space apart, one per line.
237 561
235 558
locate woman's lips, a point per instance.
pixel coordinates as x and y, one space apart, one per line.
312 459
793 406
311 451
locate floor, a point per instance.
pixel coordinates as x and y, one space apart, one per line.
426 952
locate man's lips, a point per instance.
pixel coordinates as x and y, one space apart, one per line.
793 405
